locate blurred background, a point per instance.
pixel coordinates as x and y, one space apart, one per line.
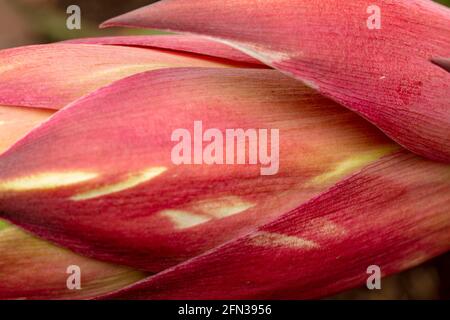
41 21
24 22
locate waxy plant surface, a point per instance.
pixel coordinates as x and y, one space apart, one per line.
87 176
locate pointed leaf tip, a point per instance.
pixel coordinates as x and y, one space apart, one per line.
442 62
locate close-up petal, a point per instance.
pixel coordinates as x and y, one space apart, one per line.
392 215
51 76
219 150
373 58
183 43
31 268
107 162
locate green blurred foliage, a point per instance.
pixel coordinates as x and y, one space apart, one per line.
446 2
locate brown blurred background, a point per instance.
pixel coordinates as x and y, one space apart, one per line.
25 22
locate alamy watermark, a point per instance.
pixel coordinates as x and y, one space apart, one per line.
73 21
374 20
74 279
374 280
228 147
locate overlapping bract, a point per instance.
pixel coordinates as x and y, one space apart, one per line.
393 214
52 76
34 269
123 198
97 177
191 44
383 74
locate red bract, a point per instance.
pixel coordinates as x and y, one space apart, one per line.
34 269
87 151
123 198
384 74
393 214
51 76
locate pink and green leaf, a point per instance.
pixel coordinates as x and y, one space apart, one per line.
52 76
98 176
34 269
393 214
31 268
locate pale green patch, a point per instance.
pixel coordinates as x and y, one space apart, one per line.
4 225
206 210
131 182
185 219
45 181
352 164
